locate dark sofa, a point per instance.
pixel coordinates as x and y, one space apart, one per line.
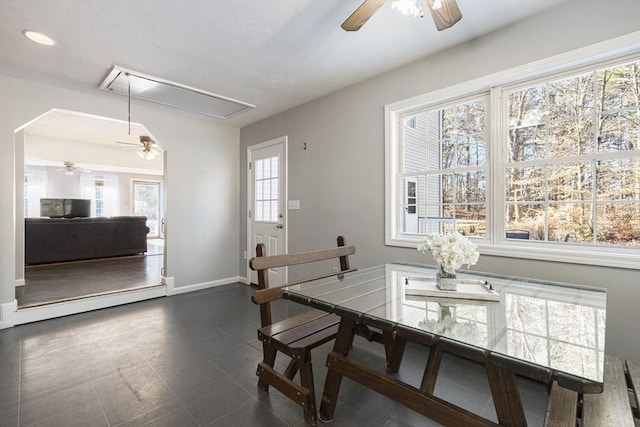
70 239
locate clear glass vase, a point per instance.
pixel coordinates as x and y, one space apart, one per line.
444 280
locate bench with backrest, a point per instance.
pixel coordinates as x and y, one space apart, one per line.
298 335
617 405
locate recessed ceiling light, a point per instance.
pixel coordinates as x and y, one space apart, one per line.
39 38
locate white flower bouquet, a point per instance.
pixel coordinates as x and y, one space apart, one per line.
450 251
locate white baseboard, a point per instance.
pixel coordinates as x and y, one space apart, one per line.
244 280
198 286
19 282
8 314
168 282
50 311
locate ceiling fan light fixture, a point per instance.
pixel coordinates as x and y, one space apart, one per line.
147 154
149 149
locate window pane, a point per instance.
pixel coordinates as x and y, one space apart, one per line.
619 224
259 210
618 87
448 188
527 107
415 142
527 143
618 179
464 134
525 184
267 211
471 220
570 222
571 137
619 131
274 188
572 97
526 217
570 181
471 151
259 169
470 187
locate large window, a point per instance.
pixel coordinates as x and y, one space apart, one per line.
572 172
545 168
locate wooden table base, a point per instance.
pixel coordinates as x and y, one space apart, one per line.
502 382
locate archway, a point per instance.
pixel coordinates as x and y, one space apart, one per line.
75 156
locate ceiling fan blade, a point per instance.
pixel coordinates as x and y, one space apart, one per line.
361 15
446 15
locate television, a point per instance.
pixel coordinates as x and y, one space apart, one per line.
65 208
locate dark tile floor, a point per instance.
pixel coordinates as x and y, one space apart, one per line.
189 360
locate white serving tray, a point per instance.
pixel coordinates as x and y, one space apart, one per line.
467 289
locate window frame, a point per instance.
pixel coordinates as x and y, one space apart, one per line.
619 50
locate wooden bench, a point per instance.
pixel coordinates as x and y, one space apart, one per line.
616 406
298 335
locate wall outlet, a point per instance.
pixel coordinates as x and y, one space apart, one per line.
245 254
334 269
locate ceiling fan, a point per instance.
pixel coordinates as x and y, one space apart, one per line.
70 169
146 149
445 13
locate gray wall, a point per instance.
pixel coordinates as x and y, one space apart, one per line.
201 179
339 179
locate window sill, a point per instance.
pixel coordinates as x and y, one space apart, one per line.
605 257
573 254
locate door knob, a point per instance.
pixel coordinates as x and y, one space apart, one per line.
279 226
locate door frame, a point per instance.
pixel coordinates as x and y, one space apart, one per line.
283 140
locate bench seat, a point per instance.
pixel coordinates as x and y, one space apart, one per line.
617 405
304 331
296 336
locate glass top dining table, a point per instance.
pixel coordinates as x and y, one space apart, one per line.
556 326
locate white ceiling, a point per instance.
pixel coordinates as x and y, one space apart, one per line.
275 54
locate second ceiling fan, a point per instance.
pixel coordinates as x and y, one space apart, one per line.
147 149
445 13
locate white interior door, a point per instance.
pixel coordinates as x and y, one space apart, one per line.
267 216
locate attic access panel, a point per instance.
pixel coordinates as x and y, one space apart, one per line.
165 92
